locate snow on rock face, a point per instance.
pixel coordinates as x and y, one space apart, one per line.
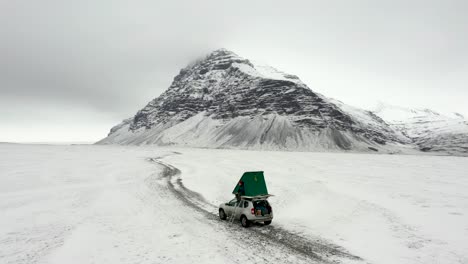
429 130
227 101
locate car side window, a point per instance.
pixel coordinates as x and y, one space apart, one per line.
246 204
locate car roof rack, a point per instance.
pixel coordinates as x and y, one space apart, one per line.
257 197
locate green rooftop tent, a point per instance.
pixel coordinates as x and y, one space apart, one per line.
254 184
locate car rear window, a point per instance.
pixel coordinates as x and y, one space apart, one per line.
261 203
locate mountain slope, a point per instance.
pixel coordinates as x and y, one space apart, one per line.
225 101
429 130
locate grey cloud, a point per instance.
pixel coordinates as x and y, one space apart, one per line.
96 53
114 56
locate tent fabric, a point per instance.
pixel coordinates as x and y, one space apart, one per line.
254 184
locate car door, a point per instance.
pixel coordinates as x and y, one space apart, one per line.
239 208
230 207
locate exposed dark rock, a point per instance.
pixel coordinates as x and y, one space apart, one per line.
225 86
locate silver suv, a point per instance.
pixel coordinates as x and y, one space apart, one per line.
247 210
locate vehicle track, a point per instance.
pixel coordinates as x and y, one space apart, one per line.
316 250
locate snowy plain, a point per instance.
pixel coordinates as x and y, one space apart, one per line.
384 208
109 204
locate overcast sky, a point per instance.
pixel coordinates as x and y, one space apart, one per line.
70 70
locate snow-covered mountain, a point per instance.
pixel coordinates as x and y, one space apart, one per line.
226 101
428 129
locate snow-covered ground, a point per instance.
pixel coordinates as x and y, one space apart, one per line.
383 208
95 204
110 204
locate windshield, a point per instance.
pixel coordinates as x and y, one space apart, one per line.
232 202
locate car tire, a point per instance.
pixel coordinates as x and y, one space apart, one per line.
244 221
222 214
267 222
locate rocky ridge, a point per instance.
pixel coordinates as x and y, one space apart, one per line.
429 130
226 101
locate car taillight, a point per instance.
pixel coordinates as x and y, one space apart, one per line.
252 211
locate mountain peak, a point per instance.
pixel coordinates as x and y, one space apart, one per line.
217 60
222 51
222 55
224 100
226 60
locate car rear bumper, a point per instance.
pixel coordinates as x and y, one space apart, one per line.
260 219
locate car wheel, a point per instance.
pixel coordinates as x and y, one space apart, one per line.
267 222
222 214
244 221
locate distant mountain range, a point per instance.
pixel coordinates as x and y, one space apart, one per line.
226 101
430 131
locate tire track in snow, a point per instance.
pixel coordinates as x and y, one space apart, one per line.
315 250
237 238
